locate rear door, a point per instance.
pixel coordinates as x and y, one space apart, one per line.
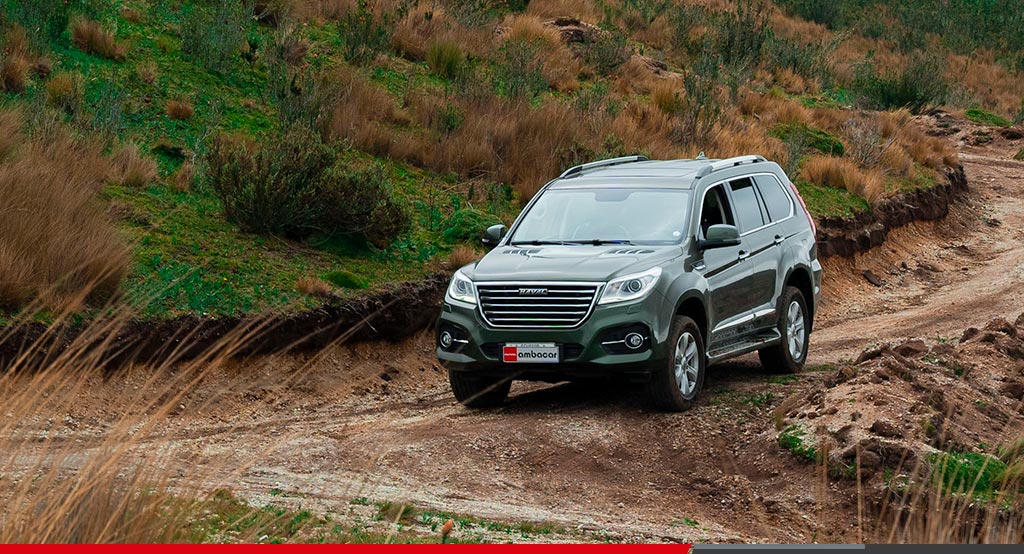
758 254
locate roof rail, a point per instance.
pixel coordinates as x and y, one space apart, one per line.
727 163
573 171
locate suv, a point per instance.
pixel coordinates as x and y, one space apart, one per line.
650 270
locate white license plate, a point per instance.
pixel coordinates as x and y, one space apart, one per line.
533 353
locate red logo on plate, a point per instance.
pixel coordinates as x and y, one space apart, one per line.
510 353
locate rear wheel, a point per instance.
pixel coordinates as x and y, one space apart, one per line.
676 383
477 391
789 355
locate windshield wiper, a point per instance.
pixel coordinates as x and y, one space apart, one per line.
599 242
543 243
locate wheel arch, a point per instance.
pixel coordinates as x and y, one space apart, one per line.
694 307
800 277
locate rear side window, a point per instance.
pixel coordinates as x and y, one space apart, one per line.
778 203
747 205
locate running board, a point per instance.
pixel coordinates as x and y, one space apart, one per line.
763 339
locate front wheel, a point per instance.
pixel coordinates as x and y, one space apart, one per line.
476 391
794 325
676 383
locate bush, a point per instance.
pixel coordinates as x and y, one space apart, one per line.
467 225
445 58
701 108
519 72
213 36
346 280
45 20
294 185
365 34
807 60
919 86
825 12
740 36
606 51
90 37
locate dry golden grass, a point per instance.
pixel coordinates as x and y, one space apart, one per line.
181 180
131 15
585 10
314 286
90 37
14 71
461 256
10 132
179 109
131 168
561 67
55 240
843 173
64 92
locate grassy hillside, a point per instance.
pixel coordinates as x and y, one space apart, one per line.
239 156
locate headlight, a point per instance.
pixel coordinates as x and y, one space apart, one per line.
461 288
631 287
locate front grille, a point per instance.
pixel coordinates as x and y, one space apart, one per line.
536 304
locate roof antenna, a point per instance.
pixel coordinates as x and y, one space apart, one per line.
701 156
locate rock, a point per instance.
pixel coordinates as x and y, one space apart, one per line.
912 349
969 334
1012 133
1013 389
886 428
870 460
872 278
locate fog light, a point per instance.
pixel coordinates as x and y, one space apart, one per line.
634 340
446 339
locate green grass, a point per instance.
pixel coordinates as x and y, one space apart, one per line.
983 117
980 475
792 438
812 137
830 201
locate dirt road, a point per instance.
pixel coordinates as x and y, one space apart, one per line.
377 421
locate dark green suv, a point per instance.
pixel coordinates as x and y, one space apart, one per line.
650 270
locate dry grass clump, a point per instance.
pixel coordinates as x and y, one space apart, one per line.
314 286
132 169
585 10
561 67
179 109
362 111
461 256
147 72
181 180
64 92
843 173
90 37
55 240
131 15
15 60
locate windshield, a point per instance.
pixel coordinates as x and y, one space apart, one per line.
605 216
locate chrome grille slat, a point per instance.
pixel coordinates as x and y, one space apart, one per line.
565 305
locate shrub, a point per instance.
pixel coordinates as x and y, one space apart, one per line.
64 92
213 36
740 36
701 108
294 185
519 73
467 225
843 174
445 58
45 20
983 117
365 34
606 51
346 280
132 169
809 60
814 138
179 109
917 87
90 37
56 244
825 12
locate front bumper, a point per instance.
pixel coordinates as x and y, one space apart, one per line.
582 354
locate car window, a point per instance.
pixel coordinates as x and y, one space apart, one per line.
715 210
779 204
748 205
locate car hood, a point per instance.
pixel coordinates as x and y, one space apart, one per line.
568 263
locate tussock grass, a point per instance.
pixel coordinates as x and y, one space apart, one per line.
131 168
90 37
843 174
179 109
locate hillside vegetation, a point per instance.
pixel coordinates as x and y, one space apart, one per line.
229 157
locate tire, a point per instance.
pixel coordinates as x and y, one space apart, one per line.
475 391
790 354
686 350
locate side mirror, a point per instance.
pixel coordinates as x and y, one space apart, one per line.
720 236
493 235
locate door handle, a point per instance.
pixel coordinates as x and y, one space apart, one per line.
743 254
779 239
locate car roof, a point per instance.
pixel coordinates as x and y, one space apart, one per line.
672 174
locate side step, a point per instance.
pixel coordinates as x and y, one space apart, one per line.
761 340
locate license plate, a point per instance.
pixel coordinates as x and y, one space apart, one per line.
533 353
